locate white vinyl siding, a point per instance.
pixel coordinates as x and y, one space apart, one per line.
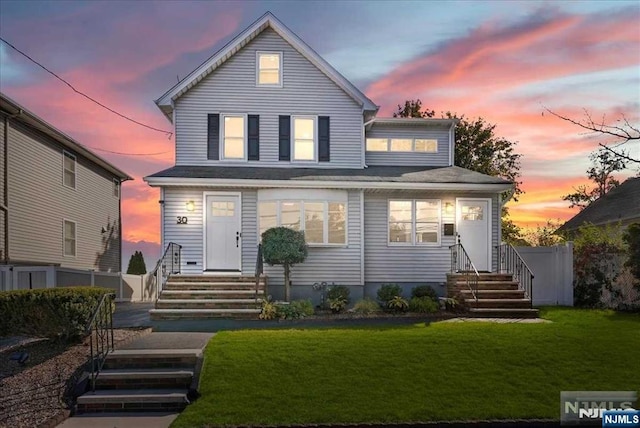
68 169
39 202
411 263
306 91
340 264
69 238
407 145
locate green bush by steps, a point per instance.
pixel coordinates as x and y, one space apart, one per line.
56 313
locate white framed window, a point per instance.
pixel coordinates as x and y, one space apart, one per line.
116 187
323 222
303 143
233 136
269 69
414 221
68 170
419 145
69 238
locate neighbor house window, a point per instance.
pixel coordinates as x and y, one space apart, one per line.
69 238
304 138
69 170
269 68
420 145
414 221
116 187
323 222
233 137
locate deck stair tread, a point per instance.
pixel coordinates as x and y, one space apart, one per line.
133 395
212 311
211 301
138 373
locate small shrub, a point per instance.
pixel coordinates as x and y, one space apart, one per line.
269 310
397 304
286 247
304 308
339 292
456 304
366 306
387 292
56 313
337 305
424 291
423 305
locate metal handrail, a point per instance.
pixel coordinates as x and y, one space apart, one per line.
461 263
510 261
100 332
168 264
259 270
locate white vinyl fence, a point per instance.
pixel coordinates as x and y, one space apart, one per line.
552 268
128 288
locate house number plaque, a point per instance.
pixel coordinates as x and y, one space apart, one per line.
182 220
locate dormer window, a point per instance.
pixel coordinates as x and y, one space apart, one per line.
269 68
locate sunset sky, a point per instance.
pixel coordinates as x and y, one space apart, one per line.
504 61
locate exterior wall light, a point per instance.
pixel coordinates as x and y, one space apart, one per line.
190 206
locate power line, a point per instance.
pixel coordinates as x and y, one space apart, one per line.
125 154
167 133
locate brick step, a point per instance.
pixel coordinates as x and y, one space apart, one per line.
208 303
193 285
214 278
502 313
132 400
144 378
495 294
152 358
174 314
210 294
500 303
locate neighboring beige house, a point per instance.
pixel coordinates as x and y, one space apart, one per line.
59 202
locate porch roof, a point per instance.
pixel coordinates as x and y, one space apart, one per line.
397 177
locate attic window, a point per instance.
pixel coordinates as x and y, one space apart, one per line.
269 68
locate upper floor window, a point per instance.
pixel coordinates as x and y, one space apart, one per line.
116 187
414 222
269 68
69 170
233 137
69 238
304 138
419 145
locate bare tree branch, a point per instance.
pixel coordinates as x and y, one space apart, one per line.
619 154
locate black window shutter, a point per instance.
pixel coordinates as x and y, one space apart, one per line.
213 137
323 139
284 138
254 136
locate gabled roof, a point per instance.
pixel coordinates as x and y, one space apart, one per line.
31 119
622 204
373 177
268 20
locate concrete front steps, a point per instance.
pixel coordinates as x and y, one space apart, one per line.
499 296
208 296
142 380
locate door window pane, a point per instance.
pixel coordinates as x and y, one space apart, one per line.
314 222
223 209
472 213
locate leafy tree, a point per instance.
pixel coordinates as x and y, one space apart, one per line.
545 235
136 264
605 163
632 239
478 148
286 247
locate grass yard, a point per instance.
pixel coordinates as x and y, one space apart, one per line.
441 371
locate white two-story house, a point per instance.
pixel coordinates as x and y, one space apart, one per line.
270 134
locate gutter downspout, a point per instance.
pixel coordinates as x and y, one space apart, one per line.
452 144
364 140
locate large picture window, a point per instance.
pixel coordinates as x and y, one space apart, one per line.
414 221
323 222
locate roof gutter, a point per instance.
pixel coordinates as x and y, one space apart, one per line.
303 184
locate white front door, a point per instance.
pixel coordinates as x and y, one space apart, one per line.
474 229
223 235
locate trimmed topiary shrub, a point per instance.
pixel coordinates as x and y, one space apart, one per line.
286 247
56 313
424 291
423 305
388 292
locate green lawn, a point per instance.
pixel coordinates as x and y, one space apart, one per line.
441 371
